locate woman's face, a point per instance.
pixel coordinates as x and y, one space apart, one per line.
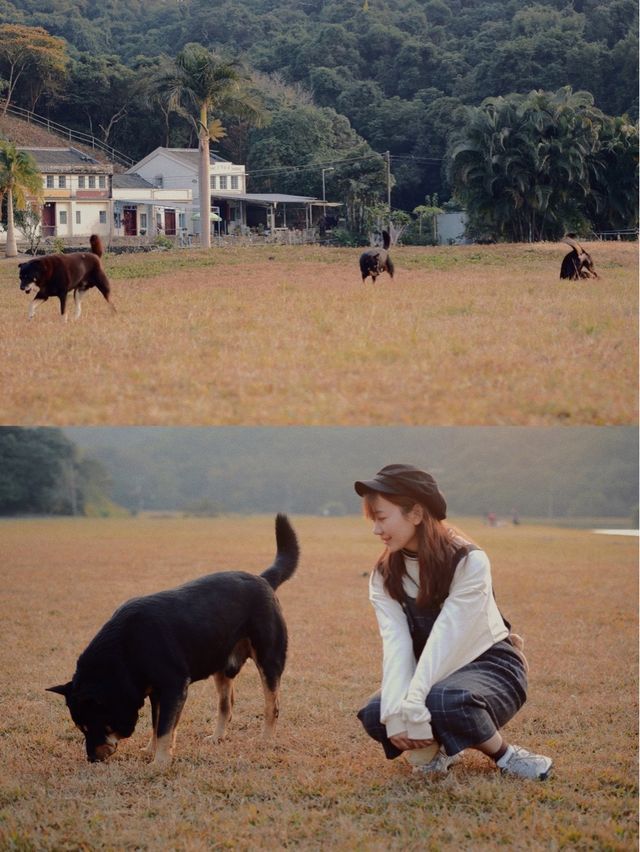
396 529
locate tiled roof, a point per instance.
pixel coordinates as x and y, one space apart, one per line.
133 181
66 159
192 156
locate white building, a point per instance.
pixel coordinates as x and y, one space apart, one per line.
82 196
451 228
76 192
142 209
172 169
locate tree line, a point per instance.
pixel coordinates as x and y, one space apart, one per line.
552 473
536 472
42 472
340 84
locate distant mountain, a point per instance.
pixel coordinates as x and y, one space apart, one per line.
542 472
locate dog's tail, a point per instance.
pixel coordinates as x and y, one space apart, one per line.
386 240
96 244
570 240
286 560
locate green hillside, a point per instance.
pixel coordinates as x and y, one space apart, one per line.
357 76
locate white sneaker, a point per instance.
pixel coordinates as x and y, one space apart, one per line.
518 761
439 765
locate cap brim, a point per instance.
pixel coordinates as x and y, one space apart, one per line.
367 485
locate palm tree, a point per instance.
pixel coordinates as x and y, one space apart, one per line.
195 85
19 177
520 163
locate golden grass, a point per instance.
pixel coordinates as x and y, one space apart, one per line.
289 335
323 784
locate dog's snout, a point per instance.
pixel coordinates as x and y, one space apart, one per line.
101 753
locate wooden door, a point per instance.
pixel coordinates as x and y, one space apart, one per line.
130 219
49 219
170 223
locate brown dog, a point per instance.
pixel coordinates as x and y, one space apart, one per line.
61 274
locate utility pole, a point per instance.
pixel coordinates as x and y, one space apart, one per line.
324 196
387 155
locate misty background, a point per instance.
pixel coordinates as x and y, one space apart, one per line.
564 472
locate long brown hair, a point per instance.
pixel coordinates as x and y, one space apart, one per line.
437 543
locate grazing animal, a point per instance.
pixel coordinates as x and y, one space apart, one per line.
578 263
375 261
159 644
61 274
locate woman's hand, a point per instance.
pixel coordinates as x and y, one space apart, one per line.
403 742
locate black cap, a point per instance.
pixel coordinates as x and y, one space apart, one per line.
406 480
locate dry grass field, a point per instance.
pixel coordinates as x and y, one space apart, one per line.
323 784
278 335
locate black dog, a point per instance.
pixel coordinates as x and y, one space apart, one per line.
61 274
375 261
578 263
158 644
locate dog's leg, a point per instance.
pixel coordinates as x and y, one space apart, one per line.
150 747
170 704
77 298
271 689
224 687
63 306
101 281
33 307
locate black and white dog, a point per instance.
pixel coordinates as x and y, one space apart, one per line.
159 644
578 263
375 261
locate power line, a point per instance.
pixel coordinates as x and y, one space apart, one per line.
314 166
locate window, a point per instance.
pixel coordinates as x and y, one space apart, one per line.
92 181
62 181
223 181
143 220
212 181
81 181
182 220
158 181
234 182
63 217
102 182
103 217
49 181
78 217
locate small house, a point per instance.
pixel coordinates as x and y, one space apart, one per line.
76 192
233 209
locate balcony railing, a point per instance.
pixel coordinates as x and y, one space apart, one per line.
72 135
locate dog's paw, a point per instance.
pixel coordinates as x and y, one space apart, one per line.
161 762
216 738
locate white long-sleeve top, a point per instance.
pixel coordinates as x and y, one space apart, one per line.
468 624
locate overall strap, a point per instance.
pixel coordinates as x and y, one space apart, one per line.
411 612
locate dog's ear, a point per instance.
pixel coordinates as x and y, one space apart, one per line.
61 689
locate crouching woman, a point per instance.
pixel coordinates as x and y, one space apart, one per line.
453 674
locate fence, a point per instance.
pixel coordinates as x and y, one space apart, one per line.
621 234
72 135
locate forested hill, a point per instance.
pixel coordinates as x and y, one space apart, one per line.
538 472
356 77
467 49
